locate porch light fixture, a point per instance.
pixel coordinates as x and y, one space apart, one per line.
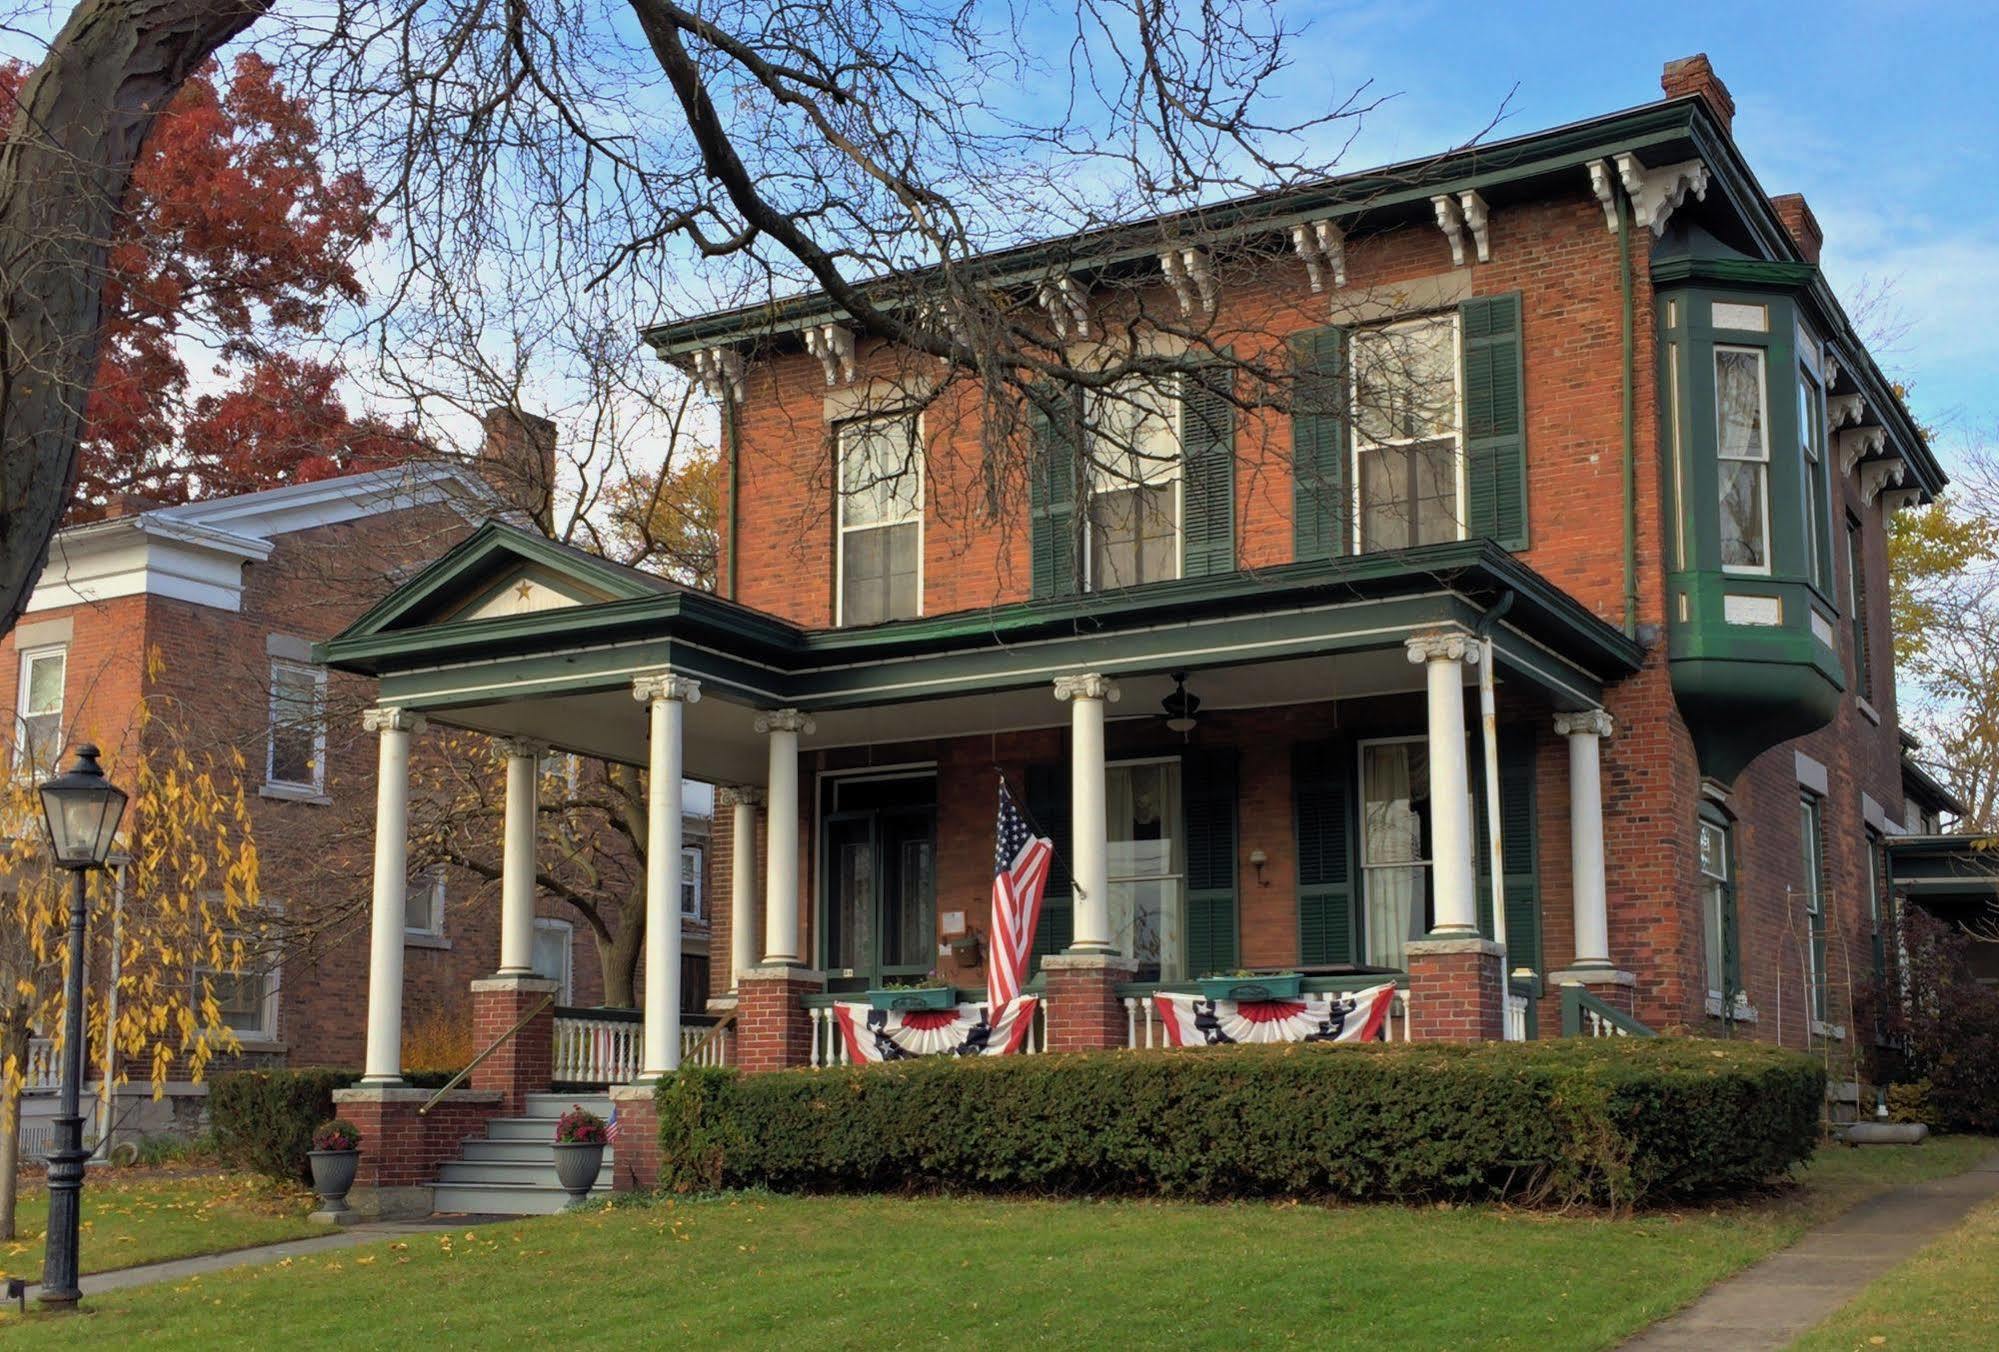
1181 707
82 809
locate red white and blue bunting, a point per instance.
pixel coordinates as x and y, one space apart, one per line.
1195 1020
893 1035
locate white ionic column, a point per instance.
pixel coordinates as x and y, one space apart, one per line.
1585 732
743 801
781 942
1453 872
383 1062
666 697
1089 850
517 856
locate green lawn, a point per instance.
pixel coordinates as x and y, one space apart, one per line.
758 1270
137 1217
1941 1298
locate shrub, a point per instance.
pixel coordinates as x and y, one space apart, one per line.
580 1126
1945 1035
264 1119
338 1134
1622 1121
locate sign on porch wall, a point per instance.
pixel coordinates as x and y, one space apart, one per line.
1195 1020
965 1030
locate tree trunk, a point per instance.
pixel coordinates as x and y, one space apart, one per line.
618 957
64 167
13 1043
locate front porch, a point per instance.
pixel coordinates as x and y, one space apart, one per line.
1334 800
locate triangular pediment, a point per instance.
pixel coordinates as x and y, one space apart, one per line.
503 572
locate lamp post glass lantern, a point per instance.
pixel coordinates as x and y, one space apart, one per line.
82 810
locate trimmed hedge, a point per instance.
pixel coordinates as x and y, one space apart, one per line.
1615 1120
264 1119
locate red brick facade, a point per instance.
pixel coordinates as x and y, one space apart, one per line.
523 1063
774 1031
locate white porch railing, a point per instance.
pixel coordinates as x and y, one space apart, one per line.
830 1049
601 1046
1596 1025
1516 1017
42 1072
1143 1029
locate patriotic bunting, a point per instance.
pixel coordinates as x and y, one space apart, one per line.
893 1035
1195 1020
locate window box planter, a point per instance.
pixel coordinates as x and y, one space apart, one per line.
1249 989
921 997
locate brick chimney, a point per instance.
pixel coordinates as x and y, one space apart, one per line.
1803 227
1694 75
517 457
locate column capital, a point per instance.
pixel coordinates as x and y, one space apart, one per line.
523 748
1444 647
739 795
389 718
1087 685
785 720
1584 723
659 685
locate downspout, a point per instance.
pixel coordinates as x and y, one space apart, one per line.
1488 717
1630 431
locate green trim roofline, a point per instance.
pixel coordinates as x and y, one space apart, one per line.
1295 610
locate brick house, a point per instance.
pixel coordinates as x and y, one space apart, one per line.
204 615
1575 412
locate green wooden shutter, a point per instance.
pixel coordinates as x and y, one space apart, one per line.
1495 420
1052 496
1518 846
1318 446
1207 452
1208 804
1048 811
1322 822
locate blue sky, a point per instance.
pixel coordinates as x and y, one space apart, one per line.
1885 121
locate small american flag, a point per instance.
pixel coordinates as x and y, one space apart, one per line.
1020 876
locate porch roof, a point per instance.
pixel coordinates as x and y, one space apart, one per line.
437 645
1946 873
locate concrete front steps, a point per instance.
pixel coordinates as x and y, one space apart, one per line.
511 1172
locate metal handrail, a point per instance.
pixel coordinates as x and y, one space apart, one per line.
694 1053
494 1046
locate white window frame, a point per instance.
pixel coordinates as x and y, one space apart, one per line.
1818 489
696 855
1712 963
266 1033
1176 876
919 509
297 787
1812 861
566 983
29 657
1359 444
1763 422
435 881
1175 399
1427 864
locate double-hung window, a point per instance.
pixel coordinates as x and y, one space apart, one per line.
247 998
690 882
1811 840
881 520
554 945
1717 883
1811 445
38 737
1742 426
1148 864
1408 444
1395 846
297 752
1135 484
423 905
1856 605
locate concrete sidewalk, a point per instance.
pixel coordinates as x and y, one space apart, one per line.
180 1269
1769 1304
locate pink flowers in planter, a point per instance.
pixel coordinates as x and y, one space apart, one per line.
580 1126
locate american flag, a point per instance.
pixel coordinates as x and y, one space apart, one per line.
1020 876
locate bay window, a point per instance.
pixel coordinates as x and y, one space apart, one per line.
1407 434
1133 514
880 521
1742 429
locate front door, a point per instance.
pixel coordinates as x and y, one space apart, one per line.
879 887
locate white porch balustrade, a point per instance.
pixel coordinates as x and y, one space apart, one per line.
42 1071
1596 1025
1516 1017
605 1047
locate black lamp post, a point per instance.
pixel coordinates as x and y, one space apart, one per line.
82 809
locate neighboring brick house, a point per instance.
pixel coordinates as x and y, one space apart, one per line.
206 614
1583 393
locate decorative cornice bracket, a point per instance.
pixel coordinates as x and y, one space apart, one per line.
1192 277
1603 182
720 372
1068 308
1451 220
1857 443
1472 208
1895 499
833 344
1323 246
1842 409
1657 193
1876 475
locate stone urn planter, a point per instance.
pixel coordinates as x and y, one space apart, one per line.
335 1155
580 1138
